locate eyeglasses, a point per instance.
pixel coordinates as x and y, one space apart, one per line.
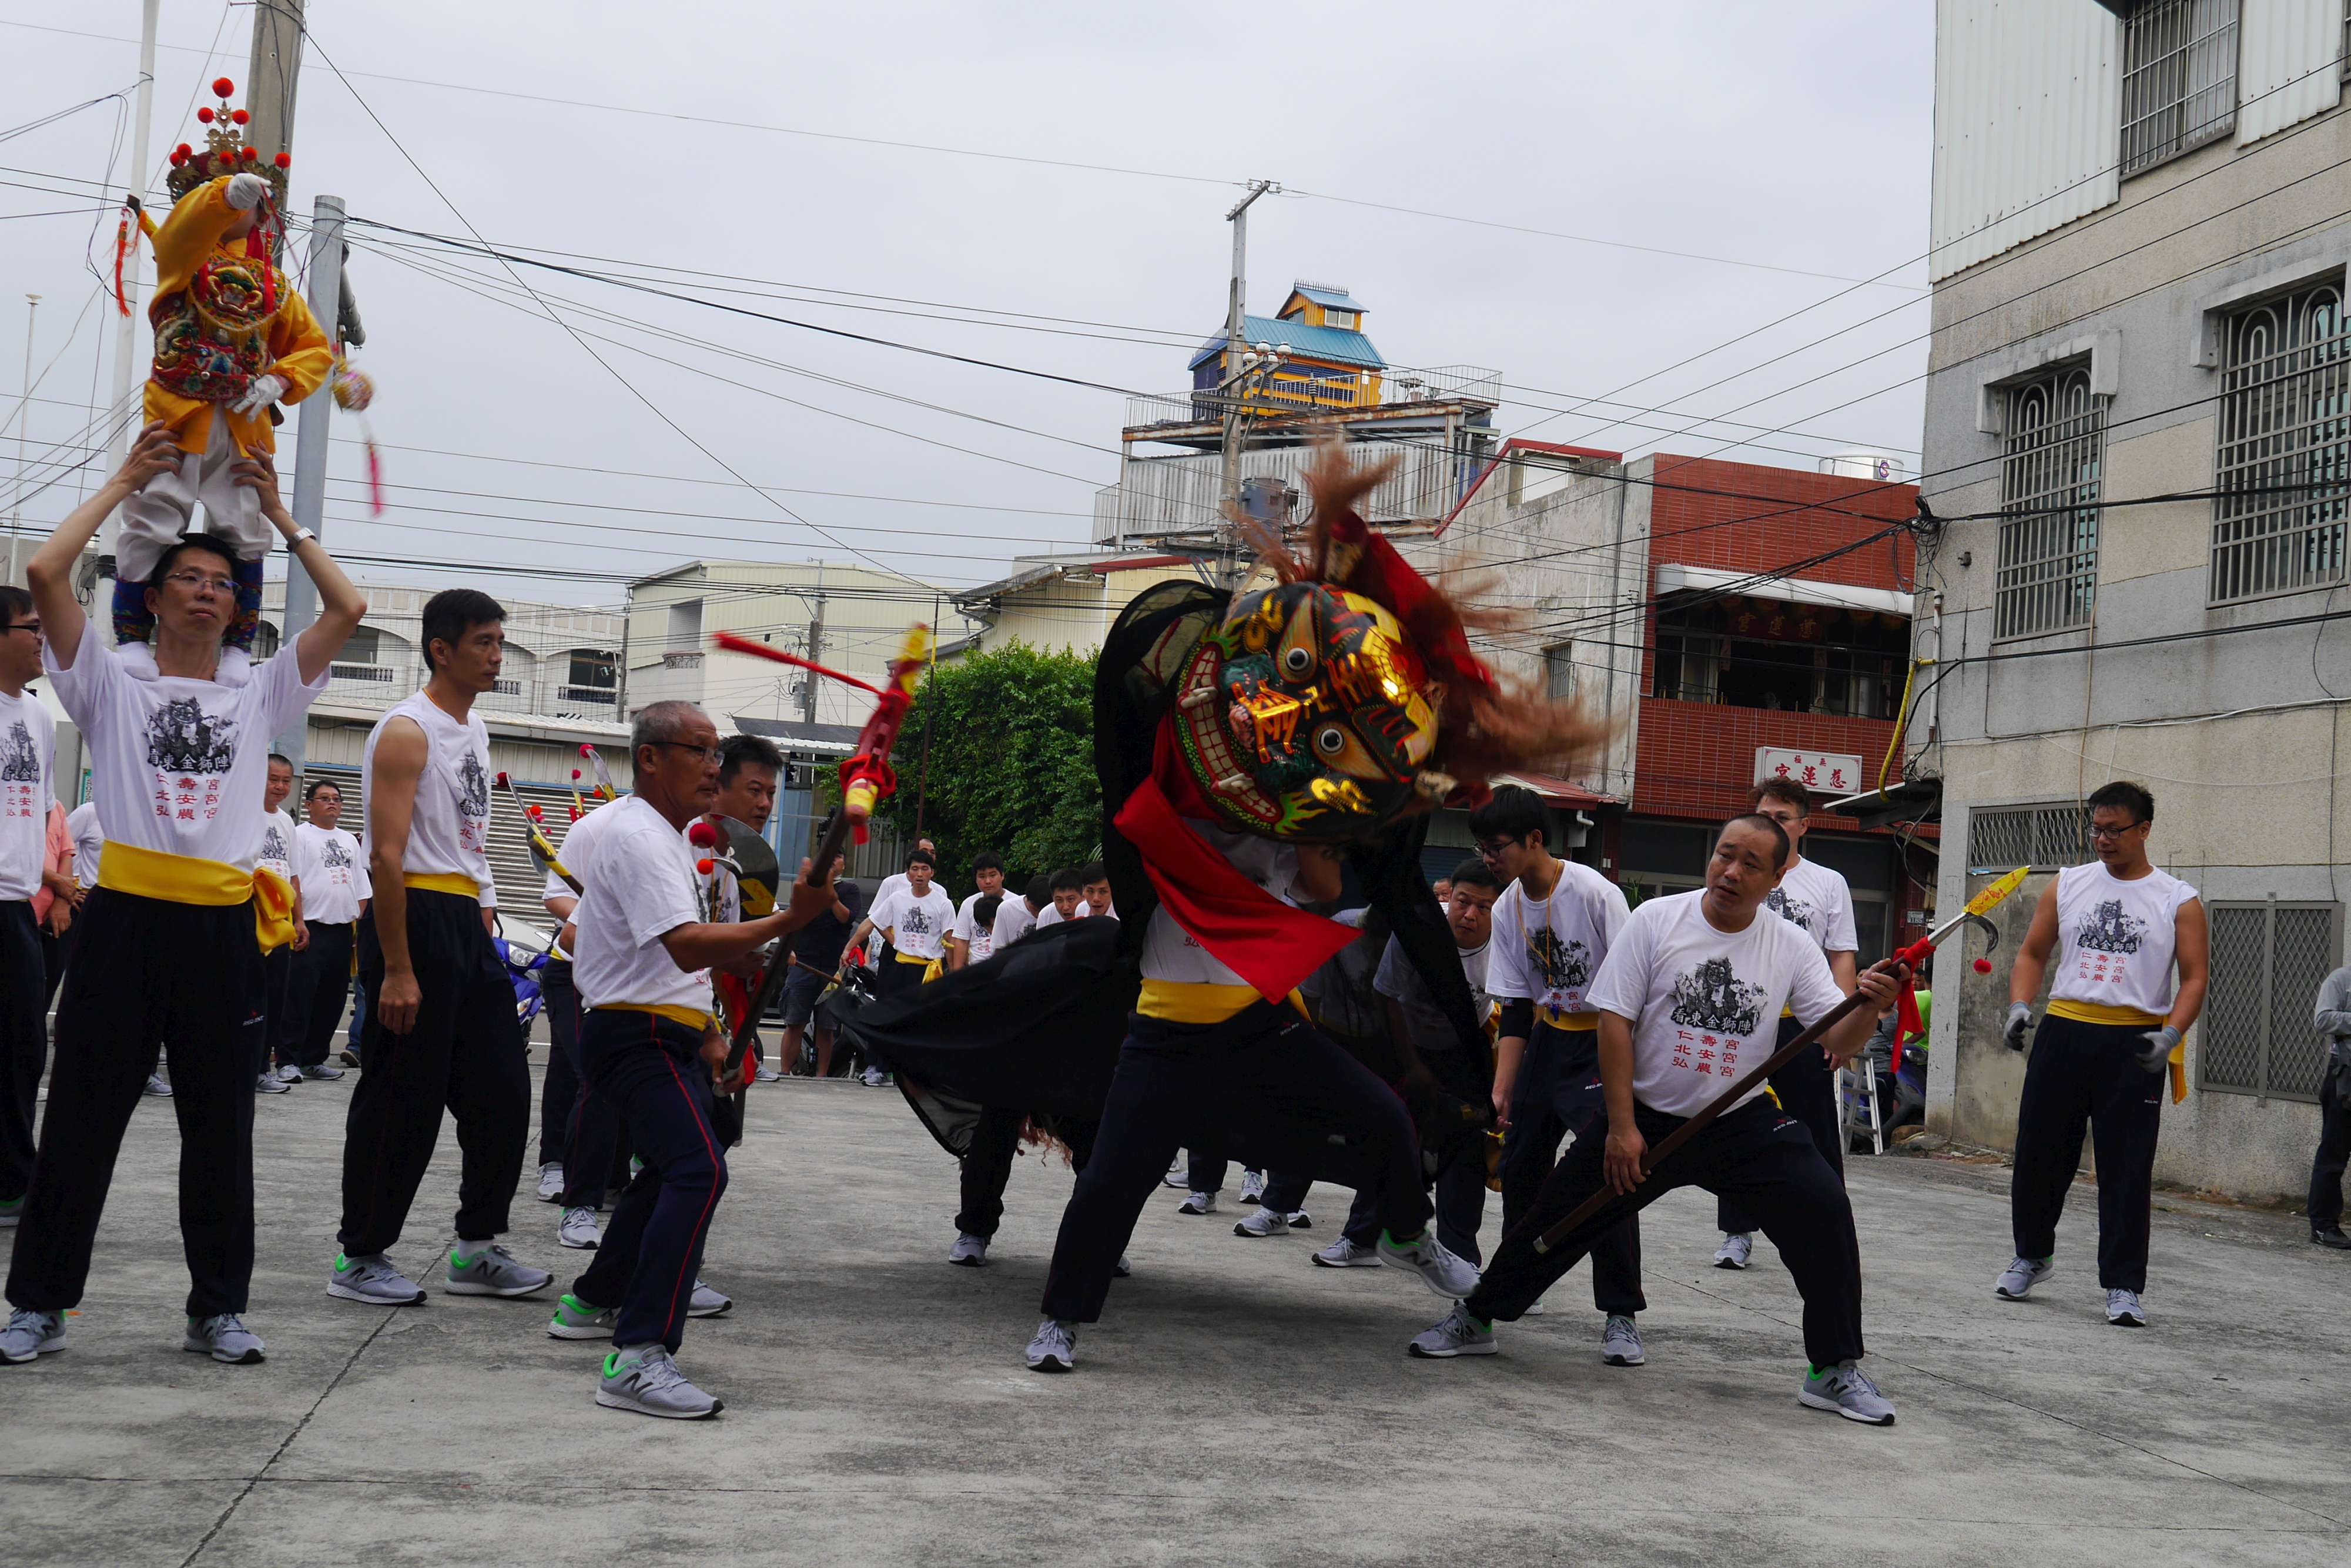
1491 850
2113 832
197 582
707 753
32 626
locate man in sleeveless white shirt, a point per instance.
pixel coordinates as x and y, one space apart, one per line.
27 786
1552 928
1688 1000
277 1073
1812 897
650 1045
176 764
444 1033
328 865
2115 929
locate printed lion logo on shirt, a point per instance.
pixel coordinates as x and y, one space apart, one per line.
2109 930
183 738
1565 965
20 759
1792 909
1713 997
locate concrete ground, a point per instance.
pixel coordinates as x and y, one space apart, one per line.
1238 1406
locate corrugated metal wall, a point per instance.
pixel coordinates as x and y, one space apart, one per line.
2289 65
2027 127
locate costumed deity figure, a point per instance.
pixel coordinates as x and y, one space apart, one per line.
233 340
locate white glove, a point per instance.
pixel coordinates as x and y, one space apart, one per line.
265 391
245 191
2020 1020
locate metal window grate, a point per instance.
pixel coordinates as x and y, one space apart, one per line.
2050 478
1559 671
2180 79
2268 960
2046 837
2282 473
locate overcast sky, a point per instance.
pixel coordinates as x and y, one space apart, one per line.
1794 138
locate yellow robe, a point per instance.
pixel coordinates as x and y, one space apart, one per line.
300 354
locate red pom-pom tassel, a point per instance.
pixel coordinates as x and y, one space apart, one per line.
239 117
1983 965
705 867
286 160
205 116
702 835
222 87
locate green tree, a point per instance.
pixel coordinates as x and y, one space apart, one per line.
1011 763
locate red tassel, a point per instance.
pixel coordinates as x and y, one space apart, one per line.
121 254
375 477
256 249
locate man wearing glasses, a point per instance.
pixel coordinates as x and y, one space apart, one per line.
177 766
443 1031
2116 928
27 753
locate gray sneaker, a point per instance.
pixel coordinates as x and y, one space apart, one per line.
706 1302
1444 1273
29 1334
969 1251
1300 1220
551 1182
2125 1311
270 1083
1458 1334
647 1381
579 1230
1198 1203
767 1075
321 1073
1620 1343
1121 1269
1847 1390
372 1279
2016 1281
157 1087
1264 1221
1053 1347
1179 1174
1346 1254
223 1338
491 1271
575 1319
1737 1248
290 1073
1252 1186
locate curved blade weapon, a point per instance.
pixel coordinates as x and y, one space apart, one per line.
534 830
1978 907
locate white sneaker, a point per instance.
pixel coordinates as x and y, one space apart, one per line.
1346 1254
1053 1347
290 1073
1300 1220
1535 1310
1263 1222
647 1381
1179 1174
1198 1203
1444 1273
707 1303
1620 1343
877 1079
550 1182
1252 1186
969 1251
580 1229
270 1083
2125 1311
1737 1250
1458 1334
767 1075
157 1087
2016 1280
1121 1269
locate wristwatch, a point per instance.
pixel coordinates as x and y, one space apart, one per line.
298 536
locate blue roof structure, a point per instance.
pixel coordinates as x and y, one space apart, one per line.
1326 294
1328 344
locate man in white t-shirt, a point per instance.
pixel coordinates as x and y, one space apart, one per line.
650 1045
972 941
176 764
1816 899
2117 930
1017 916
28 762
1093 890
331 874
915 919
1069 899
277 854
894 883
1688 1001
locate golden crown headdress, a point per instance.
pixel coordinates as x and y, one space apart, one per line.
225 151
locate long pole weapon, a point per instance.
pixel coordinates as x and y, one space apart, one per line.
866 780
534 829
1913 956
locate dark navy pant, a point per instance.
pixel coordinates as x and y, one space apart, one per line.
2326 1166
1756 1153
987 1166
322 979
1263 1082
594 1145
24 1042
1558 1095
2085 1077
276 1003
652 1068
1807 1090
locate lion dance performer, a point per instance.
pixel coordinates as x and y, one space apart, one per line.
233 340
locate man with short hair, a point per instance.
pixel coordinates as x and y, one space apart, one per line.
2326 1166
277 855
815 957
330 869
915 921
176 765
649 1046
749 768
443 1034
1553 927
972 941
28 786
2116 928
1816 898
1016 918
1069 899
1093 886
1688 998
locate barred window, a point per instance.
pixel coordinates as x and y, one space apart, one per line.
2049 477
2046 837
2268 960
2180 79
1559 671
2281 477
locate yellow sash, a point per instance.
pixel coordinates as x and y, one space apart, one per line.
692 1017
910 959
443 882
1573 1023
2128 1018
184 879
1200 1001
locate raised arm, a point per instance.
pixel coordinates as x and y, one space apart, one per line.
340 608
49 576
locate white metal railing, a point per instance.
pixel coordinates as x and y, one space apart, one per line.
1175 494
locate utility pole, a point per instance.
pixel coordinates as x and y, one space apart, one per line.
310 449
270 81
1235 388
815 652
126 330
24 419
